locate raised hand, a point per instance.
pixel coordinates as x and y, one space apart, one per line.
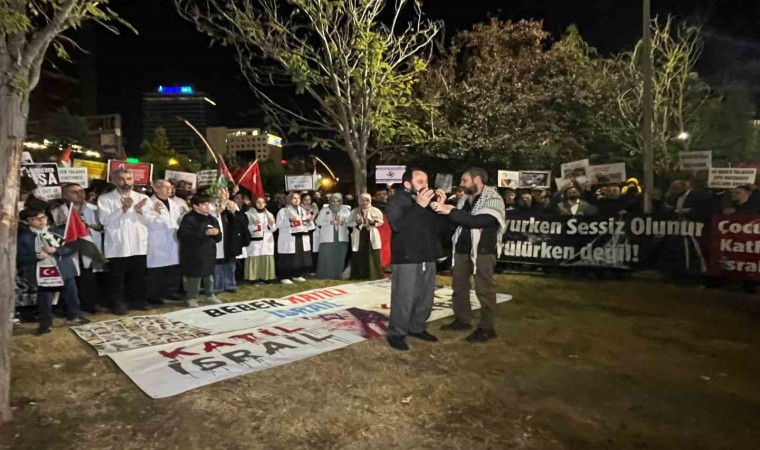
139 206
126 203
425 197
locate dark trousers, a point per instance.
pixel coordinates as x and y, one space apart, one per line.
412 291
484 289
164 283
128 274
69 295
87 285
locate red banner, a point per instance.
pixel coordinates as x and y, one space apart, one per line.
142 172
735 247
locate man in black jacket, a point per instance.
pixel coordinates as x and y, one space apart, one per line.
481 223
414 248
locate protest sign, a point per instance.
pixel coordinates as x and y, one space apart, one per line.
535 179
575 169
95 169
45 175
26 158
389 174
206 177
508 179
695 160
299 182
607 173
729 178
76 175
142 173
444 181
735 247
184 181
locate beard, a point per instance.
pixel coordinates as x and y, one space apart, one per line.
472 190
126 188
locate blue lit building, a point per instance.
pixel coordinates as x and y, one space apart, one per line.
162 107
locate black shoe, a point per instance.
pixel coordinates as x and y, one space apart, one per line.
156 301
231 291
42 330
120 309
398 343
456 326
425 336
139 307
90 309
77 321
480 335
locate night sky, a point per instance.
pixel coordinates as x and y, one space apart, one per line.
168 50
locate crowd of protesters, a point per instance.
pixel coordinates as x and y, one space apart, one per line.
159 243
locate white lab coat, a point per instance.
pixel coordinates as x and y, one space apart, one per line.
327 231
374 235
286 242
90 216
126 233
163 246
264 247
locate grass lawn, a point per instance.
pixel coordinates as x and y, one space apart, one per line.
578 364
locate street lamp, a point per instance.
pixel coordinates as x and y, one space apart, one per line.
683 136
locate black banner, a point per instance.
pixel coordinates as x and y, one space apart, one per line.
626 242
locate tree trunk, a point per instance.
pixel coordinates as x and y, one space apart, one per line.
360 175
14 108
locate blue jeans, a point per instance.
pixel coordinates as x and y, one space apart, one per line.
224 277
69 295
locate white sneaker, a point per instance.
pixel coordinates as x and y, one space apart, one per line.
213 299
192 303
299 279
286 281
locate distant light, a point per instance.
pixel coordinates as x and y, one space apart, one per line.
684 135
284 162
326 183
209 100
173 162
34 145
133 160
175 90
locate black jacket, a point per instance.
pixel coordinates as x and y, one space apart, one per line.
416 230
197 252
487 223
236 234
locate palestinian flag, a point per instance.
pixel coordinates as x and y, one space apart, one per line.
78 235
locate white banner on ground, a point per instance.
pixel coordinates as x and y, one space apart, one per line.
695 160
389 174
76 175
508 178
607 173
721 178
186 349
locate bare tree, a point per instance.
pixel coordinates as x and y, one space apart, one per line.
356 70
28 28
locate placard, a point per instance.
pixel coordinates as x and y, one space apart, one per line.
508 179
206 177
299 182
45 176
183 181
76 175
95 169
695 160
729 178
142 173
607 173
389 174
535 179
575 169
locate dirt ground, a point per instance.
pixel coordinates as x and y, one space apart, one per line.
578 364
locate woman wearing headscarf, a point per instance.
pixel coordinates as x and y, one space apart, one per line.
333 238
365 240
259 265
293 245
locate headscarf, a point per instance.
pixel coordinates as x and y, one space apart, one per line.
255 199
335 196
369 205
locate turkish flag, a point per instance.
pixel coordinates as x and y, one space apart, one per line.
251 179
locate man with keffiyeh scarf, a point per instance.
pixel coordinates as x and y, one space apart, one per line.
480 220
